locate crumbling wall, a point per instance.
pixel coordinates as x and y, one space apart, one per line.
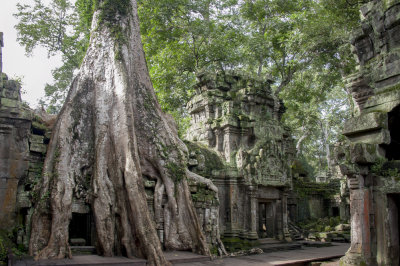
369 159
233 114
23 140
237 140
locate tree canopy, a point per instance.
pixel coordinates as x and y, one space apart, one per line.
302 45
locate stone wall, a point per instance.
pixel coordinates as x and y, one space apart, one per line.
23 140
22 151
236 140
234 115
370 160
1 54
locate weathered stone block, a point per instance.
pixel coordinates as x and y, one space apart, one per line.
36 147
365 49
392 16
149 184
389 3
362 153
23 200
9 103
365 122
10 94
36 139
384 102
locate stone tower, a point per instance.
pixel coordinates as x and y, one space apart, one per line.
371 160
234 118
1 55
22 149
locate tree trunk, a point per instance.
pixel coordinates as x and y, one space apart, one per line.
109 134
299 144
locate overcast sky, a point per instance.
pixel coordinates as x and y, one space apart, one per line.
35 71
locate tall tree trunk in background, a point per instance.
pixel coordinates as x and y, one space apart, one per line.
299 143
109 134
325 130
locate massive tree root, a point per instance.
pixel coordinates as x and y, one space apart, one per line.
109 134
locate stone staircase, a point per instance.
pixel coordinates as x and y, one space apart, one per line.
295 232
269 245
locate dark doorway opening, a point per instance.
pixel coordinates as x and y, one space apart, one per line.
393 149
80 229
335 211
266 220
394 228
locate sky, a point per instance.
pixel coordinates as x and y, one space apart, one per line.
35 70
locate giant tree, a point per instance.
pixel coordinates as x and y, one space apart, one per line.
109 134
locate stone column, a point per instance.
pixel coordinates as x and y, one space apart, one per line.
1 59
230 141
285 226
1 55
232 208
360 249
253 211
279 219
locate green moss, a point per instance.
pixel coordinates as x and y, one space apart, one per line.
39 127
304 189
111 12
233 244
8 242
178 172
212 160
214 250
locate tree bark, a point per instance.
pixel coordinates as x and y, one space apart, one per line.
109 134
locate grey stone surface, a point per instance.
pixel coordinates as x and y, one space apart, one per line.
373 138
236 139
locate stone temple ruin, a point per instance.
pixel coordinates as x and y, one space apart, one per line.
235 139
23 139
237 142
371 158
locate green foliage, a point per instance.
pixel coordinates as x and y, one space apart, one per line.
212 161
8 244
3 250
388 169
60 28
178 172
305 189
302 45
110 12
321 224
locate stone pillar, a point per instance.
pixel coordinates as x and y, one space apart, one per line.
1 54
232 208
253 211
285 226
279 219
360 249
230 142
1 59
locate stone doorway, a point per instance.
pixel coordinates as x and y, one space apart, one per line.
335 211
392 150
80 229
394 227
266 219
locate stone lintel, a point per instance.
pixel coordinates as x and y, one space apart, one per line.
79 206
366 122
384 101
380 136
